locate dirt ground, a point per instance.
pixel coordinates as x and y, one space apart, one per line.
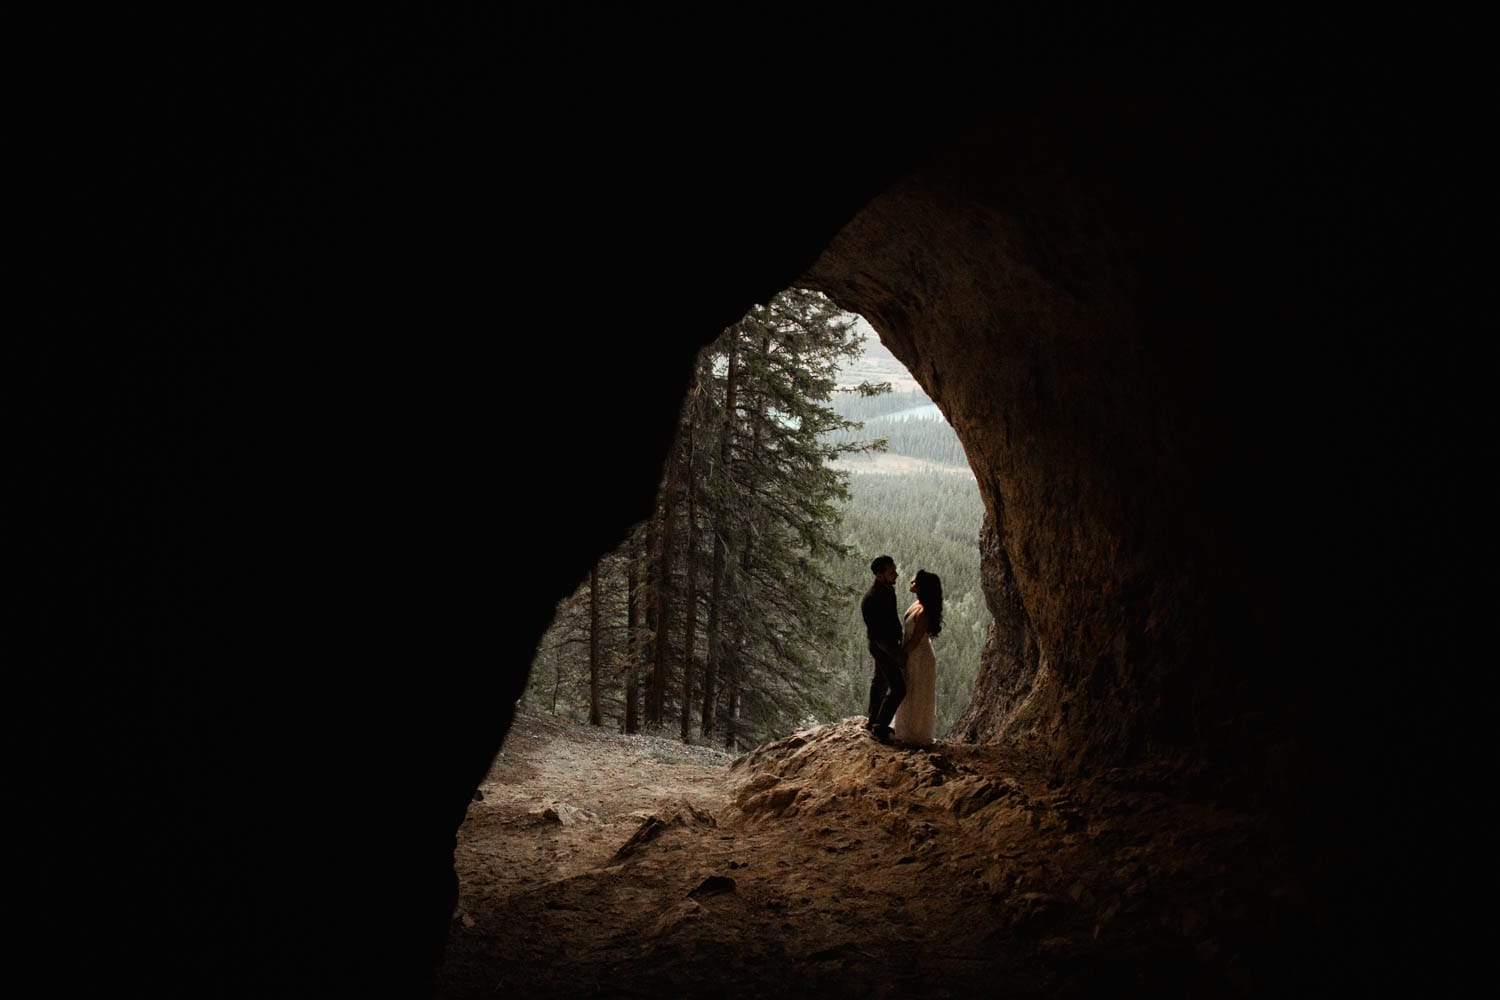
598 864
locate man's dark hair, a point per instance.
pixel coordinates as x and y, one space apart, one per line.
881 564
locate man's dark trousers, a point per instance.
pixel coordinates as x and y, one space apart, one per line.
884 632
888 687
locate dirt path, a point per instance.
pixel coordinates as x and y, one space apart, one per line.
601 864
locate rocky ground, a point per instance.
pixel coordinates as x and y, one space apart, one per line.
594 863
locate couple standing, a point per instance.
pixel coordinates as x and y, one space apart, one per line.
903 695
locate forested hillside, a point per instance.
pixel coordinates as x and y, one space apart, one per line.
776 497
909 422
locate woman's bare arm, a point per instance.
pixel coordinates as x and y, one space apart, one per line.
918 631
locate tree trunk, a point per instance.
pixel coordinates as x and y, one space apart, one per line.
716 585
732 708
632 658
595 718
735 685
715 643
690 612
661 665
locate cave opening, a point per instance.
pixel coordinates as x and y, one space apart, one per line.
1041 842
732 616
598 787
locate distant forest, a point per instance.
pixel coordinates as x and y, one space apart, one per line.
909 422
788 656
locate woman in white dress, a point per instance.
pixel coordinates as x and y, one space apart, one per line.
917 715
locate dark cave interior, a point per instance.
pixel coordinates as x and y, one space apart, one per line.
1187 294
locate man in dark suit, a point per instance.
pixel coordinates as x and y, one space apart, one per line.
884 632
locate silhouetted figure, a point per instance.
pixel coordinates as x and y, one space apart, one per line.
884 630
916 718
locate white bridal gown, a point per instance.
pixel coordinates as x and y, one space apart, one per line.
917 714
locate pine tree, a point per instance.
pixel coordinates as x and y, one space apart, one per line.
739 548
776 506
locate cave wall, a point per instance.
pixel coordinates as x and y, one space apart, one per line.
1171 328
1174 327
304 501
1010 661
1069 424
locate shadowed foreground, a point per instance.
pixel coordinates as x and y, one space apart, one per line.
601 863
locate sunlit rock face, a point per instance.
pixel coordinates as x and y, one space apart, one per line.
1007 677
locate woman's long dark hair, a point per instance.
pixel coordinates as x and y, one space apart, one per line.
930 593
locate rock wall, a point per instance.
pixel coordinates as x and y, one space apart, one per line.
1067 422
1180 372
1009 665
